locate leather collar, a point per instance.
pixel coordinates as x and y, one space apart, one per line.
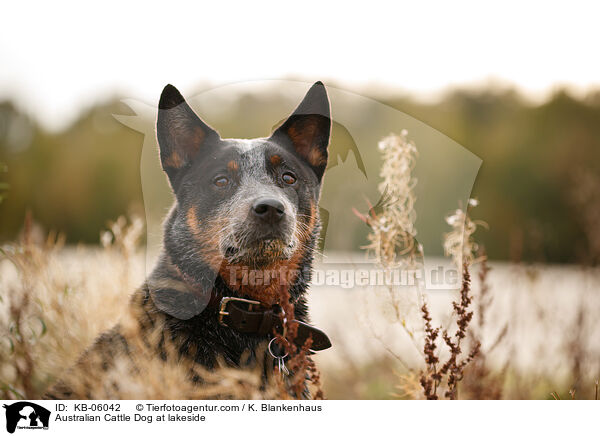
250 316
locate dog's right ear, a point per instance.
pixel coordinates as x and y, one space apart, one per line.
308 128
180 132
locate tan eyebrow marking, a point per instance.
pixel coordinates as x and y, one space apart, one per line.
233 165
275 159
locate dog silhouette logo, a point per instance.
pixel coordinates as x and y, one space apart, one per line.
26 415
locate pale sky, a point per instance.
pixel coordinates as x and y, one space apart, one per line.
59 57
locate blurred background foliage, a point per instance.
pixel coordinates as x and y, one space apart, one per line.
534 156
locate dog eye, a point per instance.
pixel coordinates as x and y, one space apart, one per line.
221 181
288 178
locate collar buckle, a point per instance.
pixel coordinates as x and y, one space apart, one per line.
226 300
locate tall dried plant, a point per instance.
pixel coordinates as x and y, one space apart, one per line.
392 238
393 244
301 367
459 243
462 247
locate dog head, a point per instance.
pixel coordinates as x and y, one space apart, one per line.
242 203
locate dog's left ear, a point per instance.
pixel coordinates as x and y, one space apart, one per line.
308 128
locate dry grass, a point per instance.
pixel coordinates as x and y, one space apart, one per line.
142 375
53 307
55 302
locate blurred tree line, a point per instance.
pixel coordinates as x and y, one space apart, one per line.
534 155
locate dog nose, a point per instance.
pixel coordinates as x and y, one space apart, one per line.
269 210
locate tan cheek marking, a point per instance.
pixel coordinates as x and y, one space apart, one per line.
192 222
209 250
233 165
